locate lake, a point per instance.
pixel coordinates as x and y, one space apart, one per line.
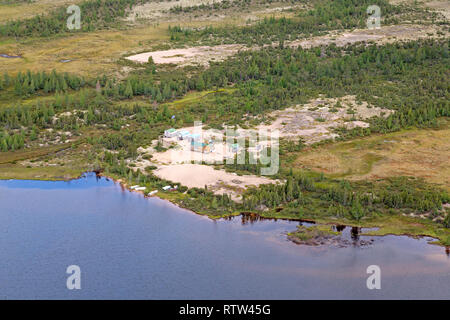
131 247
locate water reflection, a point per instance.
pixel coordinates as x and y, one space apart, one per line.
355 233
132 247
252 217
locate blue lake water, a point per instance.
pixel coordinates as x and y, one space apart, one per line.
131 247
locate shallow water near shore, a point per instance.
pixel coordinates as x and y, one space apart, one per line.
131 247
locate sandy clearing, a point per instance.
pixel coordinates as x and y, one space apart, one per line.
157 10
179 151
183 154
175 164
313 122
203 54
194 55
316 120
220 181
385 34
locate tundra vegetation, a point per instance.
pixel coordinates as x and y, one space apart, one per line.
56 124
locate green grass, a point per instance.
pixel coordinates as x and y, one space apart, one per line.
306 233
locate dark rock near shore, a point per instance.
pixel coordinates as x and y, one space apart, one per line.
325 236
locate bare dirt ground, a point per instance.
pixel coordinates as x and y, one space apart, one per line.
182 154
385 34
180 164
160 10
156 12
179 151
316 120
440 6
194 55
218 181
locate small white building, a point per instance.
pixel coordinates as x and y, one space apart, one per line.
170 133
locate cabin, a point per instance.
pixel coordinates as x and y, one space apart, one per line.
183 135
170 133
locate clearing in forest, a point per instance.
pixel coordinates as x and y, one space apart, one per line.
317 120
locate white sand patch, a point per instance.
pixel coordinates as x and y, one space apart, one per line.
316 120
182 154
220 148
175 163
219 181
195 55
384 34
155 10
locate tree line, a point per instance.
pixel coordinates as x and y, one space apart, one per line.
324 16
95 14
344 199
11 142
29 83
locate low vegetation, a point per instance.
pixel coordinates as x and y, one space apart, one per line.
57 124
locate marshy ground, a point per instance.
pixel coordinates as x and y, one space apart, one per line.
422 153
122 52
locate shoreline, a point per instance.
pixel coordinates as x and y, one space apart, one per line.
256 216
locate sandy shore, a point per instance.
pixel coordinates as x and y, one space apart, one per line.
197 176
